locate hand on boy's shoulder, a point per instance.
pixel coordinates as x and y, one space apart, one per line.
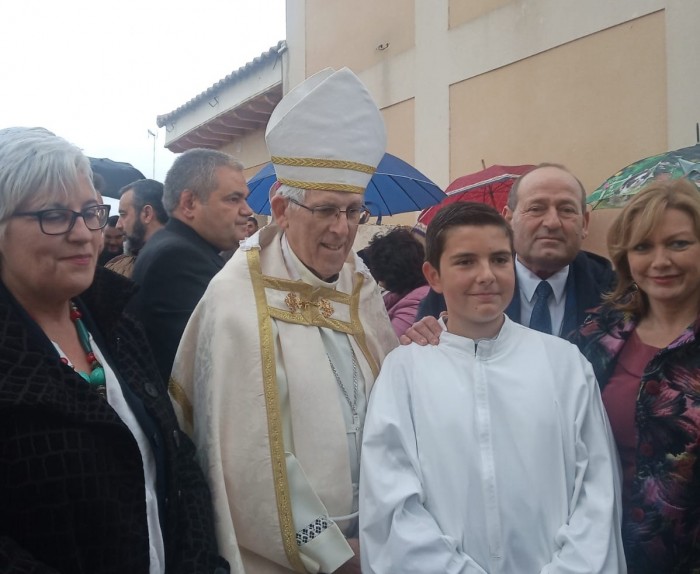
423 332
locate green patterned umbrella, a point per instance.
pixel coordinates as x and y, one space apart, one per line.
618 189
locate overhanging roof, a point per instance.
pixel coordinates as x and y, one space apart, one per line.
238 104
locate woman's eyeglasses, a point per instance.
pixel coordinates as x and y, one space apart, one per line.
60 221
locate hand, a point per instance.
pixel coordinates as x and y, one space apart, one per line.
425 331
352 566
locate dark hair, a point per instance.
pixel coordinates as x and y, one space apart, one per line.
147 192
112 220
252 218
396 259
513 193
465 213
635 223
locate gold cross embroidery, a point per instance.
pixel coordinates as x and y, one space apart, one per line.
296 303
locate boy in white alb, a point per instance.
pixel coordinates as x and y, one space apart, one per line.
491 451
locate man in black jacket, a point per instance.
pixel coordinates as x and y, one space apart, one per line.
547 210
205 195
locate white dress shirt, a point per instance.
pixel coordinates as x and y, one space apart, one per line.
528 282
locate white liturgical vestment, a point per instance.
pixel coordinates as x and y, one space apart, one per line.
253 384
489 457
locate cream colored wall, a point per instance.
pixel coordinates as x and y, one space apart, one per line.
595 105
294 58
462 11
683 71
609 82
250 150
399 120
400 127
348 33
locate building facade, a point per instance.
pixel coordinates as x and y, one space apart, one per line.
594 85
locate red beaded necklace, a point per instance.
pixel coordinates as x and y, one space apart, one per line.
97 375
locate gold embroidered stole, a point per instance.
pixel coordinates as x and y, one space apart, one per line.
302 304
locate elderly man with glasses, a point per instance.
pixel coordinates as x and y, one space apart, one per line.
274 369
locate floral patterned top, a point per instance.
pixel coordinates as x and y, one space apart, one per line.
661 525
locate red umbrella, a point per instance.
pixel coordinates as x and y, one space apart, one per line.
490 186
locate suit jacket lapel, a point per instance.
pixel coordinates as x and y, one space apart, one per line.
513 309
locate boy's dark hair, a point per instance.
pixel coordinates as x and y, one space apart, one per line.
112 220
147 192
396 259
458 215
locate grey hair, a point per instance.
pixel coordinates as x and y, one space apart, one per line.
35 162
195 170
295 193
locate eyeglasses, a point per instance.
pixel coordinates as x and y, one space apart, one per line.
60 221
355 215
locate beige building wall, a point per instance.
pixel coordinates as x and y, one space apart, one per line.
248 149
366 31
591 104
462 12
594 85
400 127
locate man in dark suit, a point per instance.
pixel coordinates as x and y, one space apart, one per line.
205 195
556 282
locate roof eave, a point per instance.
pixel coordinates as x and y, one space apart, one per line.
240 103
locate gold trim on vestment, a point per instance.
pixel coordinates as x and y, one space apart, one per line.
274 419
319 162
313 302
322 186
180 397
296 303
358 330
311 314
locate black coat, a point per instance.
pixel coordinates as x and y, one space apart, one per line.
173 271
590 276
71 474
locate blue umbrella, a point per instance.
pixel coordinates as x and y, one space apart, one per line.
396 187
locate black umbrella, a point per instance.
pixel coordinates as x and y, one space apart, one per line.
116 174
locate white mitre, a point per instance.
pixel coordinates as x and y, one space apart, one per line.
327 134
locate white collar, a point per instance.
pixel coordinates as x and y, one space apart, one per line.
298 270
528 281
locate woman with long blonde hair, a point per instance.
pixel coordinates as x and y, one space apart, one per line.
644 344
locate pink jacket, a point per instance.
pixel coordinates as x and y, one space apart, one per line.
402 310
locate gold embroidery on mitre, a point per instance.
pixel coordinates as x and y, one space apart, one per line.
320 162
321 186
